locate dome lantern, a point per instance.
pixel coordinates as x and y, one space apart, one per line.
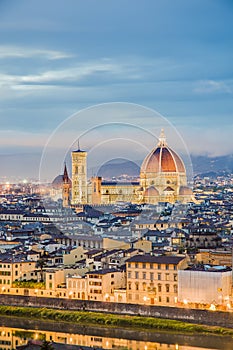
162 139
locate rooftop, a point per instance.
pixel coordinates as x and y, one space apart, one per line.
160 259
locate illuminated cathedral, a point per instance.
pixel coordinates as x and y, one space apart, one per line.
162 179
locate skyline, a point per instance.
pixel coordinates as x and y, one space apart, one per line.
173 57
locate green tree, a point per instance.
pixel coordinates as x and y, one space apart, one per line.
47 345
40 264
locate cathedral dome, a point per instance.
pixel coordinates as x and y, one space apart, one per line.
162 159
58 181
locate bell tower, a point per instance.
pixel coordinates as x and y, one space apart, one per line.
79 177
66 189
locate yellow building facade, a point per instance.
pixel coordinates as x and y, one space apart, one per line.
153 280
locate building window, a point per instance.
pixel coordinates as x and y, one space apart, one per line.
136 265
130 296
137 286
144 286
167 276
160 299
167 299
167 267
159 266
175 288
144 275
129 265
167 288
136 274
175 277
151 276
129 274
159 288
129 286
143 265
174 267
159 276
151 266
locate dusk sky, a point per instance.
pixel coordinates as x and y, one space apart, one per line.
58 57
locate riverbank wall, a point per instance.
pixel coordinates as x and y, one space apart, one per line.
206 317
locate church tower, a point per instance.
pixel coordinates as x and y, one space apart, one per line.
66 189
79 177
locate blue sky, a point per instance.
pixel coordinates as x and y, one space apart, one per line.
57 57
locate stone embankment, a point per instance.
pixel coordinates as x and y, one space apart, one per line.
206 317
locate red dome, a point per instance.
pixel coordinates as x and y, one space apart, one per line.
162 159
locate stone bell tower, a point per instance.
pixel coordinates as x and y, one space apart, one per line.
79 177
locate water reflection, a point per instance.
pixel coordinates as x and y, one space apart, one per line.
14 332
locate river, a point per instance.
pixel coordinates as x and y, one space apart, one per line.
17 331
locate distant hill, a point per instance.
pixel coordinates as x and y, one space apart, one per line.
208 166
118 167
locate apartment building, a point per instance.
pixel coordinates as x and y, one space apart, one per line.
153 280
101 284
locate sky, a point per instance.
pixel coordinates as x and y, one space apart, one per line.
59 57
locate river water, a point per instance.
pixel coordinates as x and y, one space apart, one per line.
17 331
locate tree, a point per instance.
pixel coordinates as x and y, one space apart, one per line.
41 264
46 345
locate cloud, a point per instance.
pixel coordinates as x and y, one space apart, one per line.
212 86
84 72
7 51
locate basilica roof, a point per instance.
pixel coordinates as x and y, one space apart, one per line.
151 192
162 159
185 190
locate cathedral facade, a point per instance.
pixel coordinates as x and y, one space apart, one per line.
162 179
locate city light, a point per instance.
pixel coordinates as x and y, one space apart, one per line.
212 307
